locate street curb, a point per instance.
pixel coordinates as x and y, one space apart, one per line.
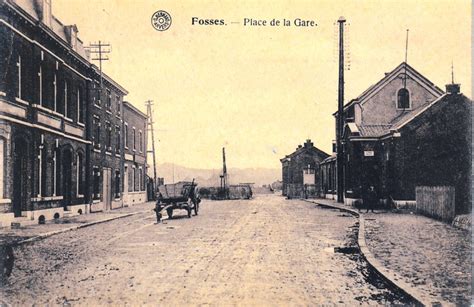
52 233
388 275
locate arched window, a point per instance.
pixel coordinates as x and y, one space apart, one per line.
403 99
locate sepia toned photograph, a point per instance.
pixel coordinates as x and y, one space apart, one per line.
236 153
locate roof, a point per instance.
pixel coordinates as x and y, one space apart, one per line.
401 68
308 146
133 108
376 131
329 159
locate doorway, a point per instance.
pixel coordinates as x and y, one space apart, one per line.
20 176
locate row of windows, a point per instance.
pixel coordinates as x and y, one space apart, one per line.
57 95
134 138
135 181
108 102
56 174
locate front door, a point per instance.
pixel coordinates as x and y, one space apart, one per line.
107 184
20 176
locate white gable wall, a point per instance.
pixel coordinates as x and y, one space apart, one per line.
381 107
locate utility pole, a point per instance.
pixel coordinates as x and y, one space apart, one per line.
224 174
340 115
149 114
100 51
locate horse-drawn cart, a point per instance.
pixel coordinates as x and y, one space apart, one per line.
181 195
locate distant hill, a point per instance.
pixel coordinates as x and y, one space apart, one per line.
210 177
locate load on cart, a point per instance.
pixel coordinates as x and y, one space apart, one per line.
182 195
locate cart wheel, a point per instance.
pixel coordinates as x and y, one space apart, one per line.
170 213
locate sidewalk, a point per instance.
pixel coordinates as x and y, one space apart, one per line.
434 257
30 233
430 256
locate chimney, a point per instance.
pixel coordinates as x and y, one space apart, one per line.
453 88
308 143
45 12
71 33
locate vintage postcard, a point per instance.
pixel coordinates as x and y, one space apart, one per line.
262 153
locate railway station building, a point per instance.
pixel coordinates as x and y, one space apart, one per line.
401 133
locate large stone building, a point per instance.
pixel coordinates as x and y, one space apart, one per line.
60 132
300 171
401 133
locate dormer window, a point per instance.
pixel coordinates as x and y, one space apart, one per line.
403 99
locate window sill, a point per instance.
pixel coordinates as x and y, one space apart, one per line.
98 106
68 119
81 124
108 153
3 94
96 150
108 112
46 198
80 196
95 201
22 101
40 107
5 201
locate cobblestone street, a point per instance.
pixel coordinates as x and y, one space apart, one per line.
266 251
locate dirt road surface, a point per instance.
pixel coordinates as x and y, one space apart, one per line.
264 251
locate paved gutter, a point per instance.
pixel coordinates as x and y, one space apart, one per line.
391 277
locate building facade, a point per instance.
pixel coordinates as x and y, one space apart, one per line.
135 153
300 171
60 132
106 152
401 133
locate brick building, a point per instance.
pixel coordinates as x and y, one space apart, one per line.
300 171
60 133
105 133
135 145
401 133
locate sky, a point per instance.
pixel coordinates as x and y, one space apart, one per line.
262 90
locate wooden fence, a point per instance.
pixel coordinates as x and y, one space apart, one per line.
436 202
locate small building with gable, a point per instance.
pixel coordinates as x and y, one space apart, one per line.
300 171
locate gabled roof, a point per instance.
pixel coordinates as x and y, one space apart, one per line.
400 69
304 149
377 131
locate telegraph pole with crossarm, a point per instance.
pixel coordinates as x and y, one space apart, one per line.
99 51
149 114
